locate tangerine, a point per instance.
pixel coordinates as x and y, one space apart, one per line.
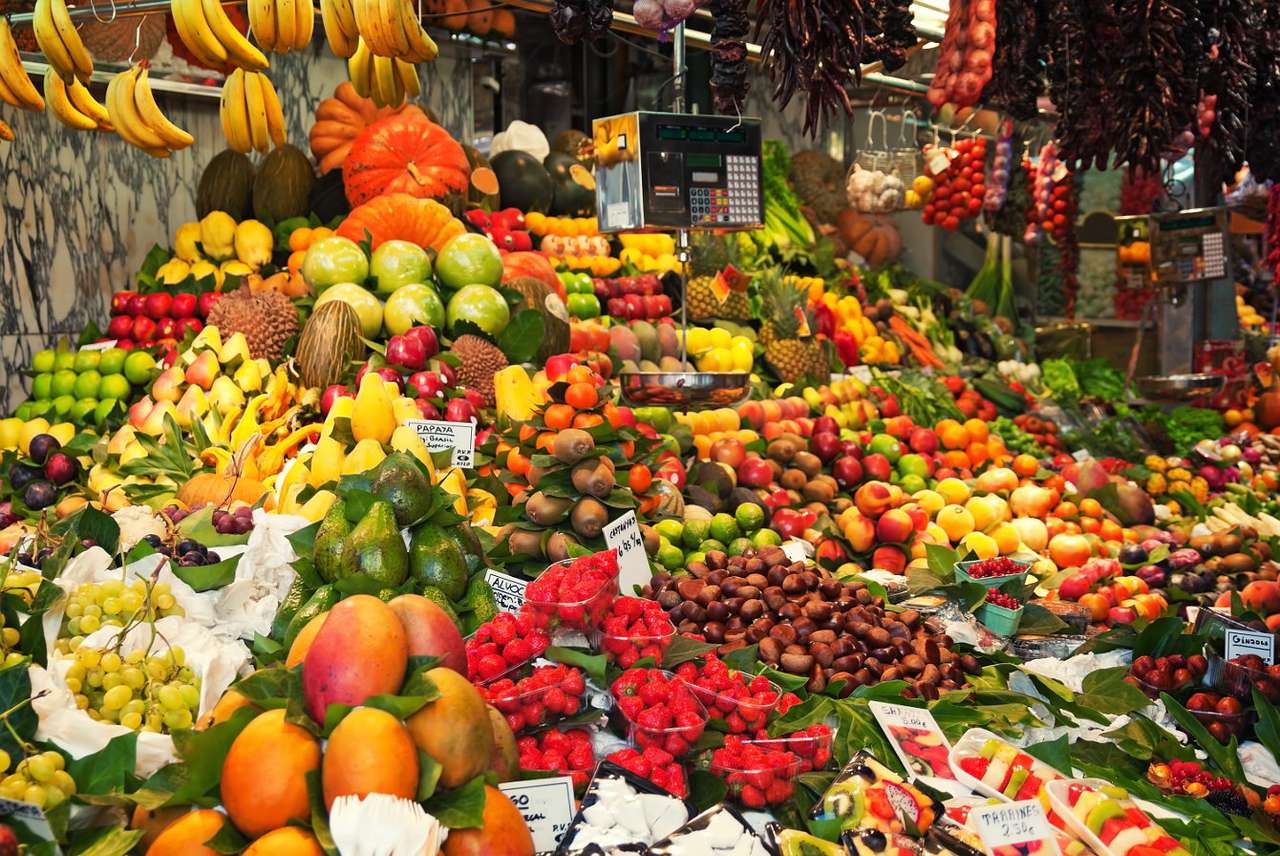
639 478
581 395
264 782
587 420
517 462
557 416
1026 465
978 430
285 841
1090 507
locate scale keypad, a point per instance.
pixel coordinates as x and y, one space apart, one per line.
739 202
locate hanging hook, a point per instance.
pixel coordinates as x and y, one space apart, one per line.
737 108
137 38
93 7
902 129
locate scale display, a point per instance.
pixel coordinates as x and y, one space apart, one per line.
1189 246
663 171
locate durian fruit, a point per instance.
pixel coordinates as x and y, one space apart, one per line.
481 360
267 319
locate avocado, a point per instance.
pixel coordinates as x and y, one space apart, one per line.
438 597
322 599
435 559
402 484
333 556
293 601
478 599
378 548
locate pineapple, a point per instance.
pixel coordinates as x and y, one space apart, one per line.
790 356
708 255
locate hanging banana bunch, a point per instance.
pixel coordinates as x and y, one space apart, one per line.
60 42
208 33
73 105
391 28
340 28
386 80
16 88
250 112
132 110
281 26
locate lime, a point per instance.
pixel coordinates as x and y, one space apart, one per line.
738 546
671 529
712 544
43 361
114 386
87 384
724 527
81 410
138 367
86 360
42 386
766 538
64 361
749 516
63 403
23 413
38 409
912 483
670 557
104 409
695 532
64 383
886 445
112 361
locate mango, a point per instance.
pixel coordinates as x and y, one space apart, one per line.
263 783
430 631
370 752
360 651
373 417
454 729
503 831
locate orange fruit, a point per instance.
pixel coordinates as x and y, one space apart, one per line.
954 437
263 783
581 395
956 459
977 429
728 419
977 453
527 431
517 462
320 233
1111 531
587 420
1090 507
286 841
1026 465
300 239
545 441
639 478
557 416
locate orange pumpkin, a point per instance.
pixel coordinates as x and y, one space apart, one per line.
399 216
339 120
504 23
872 236
405 153
480 21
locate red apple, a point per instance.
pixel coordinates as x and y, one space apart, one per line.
447 373
426 336
120 326
877 466
126 344
205 303
826 425
1124 615
167 328
754 471
195 325
475 397
137 305
185 305
144 329
460 410
120 302
923 440
426 384
427 408
407 353
826 446
559 365
848 471
158 304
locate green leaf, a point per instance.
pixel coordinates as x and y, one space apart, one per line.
1038 620
1143 739
593 664
319 814
1055 753
271 688
521 337
743 659
208 577
706 789
303 541
202 753
97 526
107 770
683 649
1225 757
15 695
429 770
811 711
1267 728
461 807
105 841
401 707
1106 691
227 840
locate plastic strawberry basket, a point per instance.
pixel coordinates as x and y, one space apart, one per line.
533 700
777 784
615 646
586 614
806 747
671 738
1000 620
720 706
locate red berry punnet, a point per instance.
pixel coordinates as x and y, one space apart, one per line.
656 765
575 593
500 645
1001 566
743 701
995 597
757 775
636 628
560 752
548 694
660 710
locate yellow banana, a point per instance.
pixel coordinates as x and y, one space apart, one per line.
345 15
7 95
275 116
421 46
6 133
408 77
193 29
371 30
127 117
145 100
15 76
387 86
340 43
79 54
84 101
391 16
286 25
239 49
262 23
59 103
306 12
257 108
50 42
234 113
360 68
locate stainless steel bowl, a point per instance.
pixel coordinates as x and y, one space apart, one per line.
1180 387
686 390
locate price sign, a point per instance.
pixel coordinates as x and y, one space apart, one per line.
1251 642
439 436
99 346
623 534
26 816
916 737
547 806
797 551
508 592
1013 823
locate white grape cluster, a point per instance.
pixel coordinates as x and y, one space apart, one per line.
158 693
41 780
9 636
113 603
22 583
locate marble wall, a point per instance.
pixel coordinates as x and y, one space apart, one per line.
79 211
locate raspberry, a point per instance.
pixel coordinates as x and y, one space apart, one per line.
998 567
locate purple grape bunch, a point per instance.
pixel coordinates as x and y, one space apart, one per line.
238 522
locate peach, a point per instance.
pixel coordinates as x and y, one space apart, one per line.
1262 596
895 526
996 479
1068 550
752 412
860 532
1032 531
889 558
1031 501
874 498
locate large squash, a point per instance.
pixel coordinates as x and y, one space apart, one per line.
399 216
872 236
339 120
226 185
405 153
282 188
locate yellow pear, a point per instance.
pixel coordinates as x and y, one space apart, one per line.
366 455
9 430
120 439
254 243
155 421
208 338
374 418
132 452
186 242
217 235
317 506
249 376
326 461
173 271
225 395
194 404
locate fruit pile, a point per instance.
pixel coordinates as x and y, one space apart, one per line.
757 776
660 710
635 628
89 387
156 692
575 594
655 764
562 753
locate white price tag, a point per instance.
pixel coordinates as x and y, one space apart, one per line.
508 592
99 346
1014 823
547 806
1251 642
916 737
439 436
797 551
633 563
939 161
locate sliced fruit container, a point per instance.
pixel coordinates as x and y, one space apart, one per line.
753 713
1107 820
963 575
617 647
999 762
1000 620
586 614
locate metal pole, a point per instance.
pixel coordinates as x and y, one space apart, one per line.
682 248
678 68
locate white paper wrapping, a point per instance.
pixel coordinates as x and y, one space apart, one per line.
248 604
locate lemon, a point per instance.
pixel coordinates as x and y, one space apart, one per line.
10 429
698 340
720 337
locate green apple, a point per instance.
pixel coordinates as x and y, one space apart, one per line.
112 361
104 409
413 304
43 361
367 307
398 263
64 383
114 386
38 408
138 367
64 361
42 386
469 259
24 411
86 360
331 261
481 305
63 403
81 410
87 384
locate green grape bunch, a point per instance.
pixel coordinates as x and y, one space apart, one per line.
114 603
39 779
156 692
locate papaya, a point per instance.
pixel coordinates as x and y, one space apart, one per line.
370 752
360 651
502 833
264 775
454 729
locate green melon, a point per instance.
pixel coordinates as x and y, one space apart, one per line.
226 185
524 183
282 188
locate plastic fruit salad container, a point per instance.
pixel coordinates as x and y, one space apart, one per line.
995 768
1109 821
